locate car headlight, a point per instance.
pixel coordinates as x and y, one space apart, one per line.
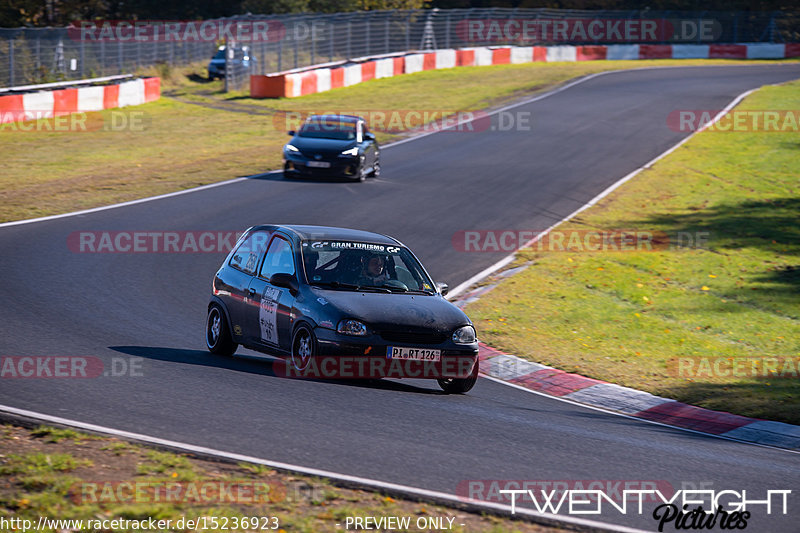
352 151
352 327
464 335
290 148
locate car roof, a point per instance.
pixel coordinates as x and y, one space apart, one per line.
333 233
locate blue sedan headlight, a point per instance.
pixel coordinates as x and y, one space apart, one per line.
352 151
464 335
352 327
290 148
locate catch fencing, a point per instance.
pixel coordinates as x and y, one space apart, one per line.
101 48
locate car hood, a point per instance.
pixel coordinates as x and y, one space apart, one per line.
324 147
394 311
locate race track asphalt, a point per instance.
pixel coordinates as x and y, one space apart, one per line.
152 306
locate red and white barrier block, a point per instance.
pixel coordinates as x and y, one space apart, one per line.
49 104
325 77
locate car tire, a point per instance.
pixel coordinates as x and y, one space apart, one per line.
360 174
376 170
460 385
304 347
218 336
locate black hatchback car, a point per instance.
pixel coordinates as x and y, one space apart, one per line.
332 145
339 303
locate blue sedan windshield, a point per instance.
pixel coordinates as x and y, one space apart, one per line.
340 131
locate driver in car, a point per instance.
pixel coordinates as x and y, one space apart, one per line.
373 270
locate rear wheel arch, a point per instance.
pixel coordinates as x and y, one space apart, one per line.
226 313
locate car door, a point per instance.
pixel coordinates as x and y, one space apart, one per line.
270 323
235 281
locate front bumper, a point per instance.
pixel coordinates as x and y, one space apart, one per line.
343 357
339 166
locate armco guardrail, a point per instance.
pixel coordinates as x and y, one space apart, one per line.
331 76
48 104
281 42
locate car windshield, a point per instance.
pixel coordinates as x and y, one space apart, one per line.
329 129
238 53
350 265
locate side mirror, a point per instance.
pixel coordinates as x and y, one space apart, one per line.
369 136
286 281
442 287
291 133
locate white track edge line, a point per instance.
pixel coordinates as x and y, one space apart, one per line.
124 204
314 471
236 180
558 89
510 106
633 417
510 257
388 145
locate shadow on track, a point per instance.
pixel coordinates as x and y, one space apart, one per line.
278 176
272 368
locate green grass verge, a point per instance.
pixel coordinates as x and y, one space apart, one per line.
194 136
622 316
87 477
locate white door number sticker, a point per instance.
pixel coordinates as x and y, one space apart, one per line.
268 314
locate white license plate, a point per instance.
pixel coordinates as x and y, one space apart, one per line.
319 164
413 354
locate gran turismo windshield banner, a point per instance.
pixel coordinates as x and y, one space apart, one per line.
335 246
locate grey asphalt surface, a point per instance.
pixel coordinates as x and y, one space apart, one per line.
152 306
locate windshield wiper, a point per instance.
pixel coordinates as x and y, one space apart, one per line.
336 285
340 285
404 290
374 288
392 288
